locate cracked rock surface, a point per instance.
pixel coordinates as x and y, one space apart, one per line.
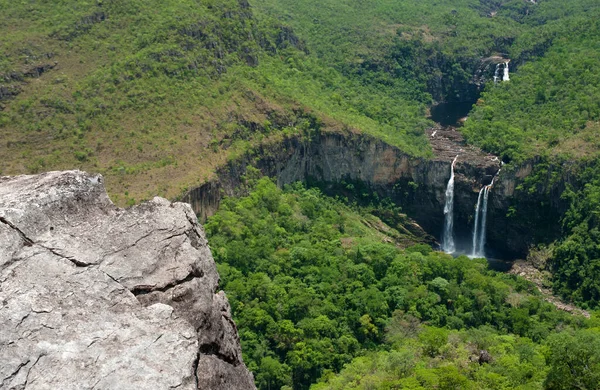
97 297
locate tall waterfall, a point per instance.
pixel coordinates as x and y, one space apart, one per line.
479 229
448 233
497 73
506 76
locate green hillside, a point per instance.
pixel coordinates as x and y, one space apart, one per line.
156 94
550 113
429 46
550 107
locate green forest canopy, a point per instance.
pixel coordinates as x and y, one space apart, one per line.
314 289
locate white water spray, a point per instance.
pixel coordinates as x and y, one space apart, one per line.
506 76
497 74
448 245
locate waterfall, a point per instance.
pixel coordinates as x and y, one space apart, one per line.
479 229
475 252
448 233
506 76
497 73
481 243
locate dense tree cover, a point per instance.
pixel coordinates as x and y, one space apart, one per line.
550 107
575 259
550 113
435 46
313 286
431 358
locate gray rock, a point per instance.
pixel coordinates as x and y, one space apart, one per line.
484 357
94 296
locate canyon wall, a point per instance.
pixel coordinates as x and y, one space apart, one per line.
417 185
335 162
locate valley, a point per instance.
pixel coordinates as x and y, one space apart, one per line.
353 163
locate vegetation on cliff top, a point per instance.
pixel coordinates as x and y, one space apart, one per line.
550 107
156 94
550 113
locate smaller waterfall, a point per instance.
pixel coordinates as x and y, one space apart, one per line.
482 230
475 252
497 74
479 228
506 76
448 245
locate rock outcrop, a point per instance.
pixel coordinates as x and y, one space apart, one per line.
94 296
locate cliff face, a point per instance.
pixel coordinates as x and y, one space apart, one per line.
523 215
516 218
417 185
94 296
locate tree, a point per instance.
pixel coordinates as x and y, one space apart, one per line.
433 339
574 359
272 374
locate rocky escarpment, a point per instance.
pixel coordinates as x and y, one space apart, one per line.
335 160
11 83
518 216
93 296
521 211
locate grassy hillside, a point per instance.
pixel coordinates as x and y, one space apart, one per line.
550 107
431 47
156 94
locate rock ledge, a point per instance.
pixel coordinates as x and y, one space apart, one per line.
97 297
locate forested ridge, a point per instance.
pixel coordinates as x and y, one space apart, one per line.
549 113
159 95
